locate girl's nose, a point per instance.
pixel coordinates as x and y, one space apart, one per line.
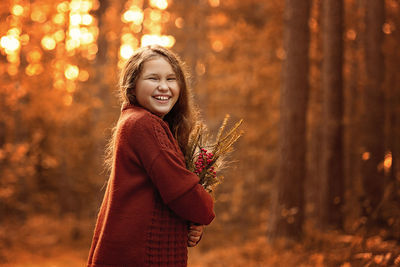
163 86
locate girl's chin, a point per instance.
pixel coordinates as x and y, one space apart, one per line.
161 112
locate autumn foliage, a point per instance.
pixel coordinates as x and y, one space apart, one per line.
59 66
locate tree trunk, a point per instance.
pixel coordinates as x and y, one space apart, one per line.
352 115
332 126
287 203
372 122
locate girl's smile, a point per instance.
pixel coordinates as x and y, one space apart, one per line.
157 89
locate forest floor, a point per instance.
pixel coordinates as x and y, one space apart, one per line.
44 242
344 251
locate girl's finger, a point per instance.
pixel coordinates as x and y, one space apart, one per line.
194 238
194 233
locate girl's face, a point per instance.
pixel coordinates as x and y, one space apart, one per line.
157 88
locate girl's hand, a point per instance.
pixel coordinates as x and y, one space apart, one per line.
195 233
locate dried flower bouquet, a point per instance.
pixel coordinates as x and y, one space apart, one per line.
206 158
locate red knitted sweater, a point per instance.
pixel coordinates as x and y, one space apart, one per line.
150 197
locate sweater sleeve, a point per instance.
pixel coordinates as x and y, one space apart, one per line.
179 188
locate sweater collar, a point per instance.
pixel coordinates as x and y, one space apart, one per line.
126 106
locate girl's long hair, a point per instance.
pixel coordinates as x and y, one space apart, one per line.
182 117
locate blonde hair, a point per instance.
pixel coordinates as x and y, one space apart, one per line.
182 117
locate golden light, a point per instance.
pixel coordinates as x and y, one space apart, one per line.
155 15
156 29
71 87
10 43
59 84
179 23
135 16
200 68
38 16
217 46
128 38
48 43
167 41
365 156
13 58
71 72
83 76
214 3
94 30
351 34
34 69
34 56
24 38
63 7
58 65
59 35
75 5
75 19
151 39
93 49
87 38
72 44
75 33
47 27
17 10
387 163
12 70
136 28
68 100
126 51
87 19
387 28
59 19
160 4
85 6
165 17
280 53
14 31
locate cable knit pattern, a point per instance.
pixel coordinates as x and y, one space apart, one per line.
166 238
149 199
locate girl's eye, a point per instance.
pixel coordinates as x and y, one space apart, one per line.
171 79
152 78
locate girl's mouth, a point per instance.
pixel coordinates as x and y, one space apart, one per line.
162 97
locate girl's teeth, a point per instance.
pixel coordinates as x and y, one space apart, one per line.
161 97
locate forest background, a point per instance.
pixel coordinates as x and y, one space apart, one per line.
315 179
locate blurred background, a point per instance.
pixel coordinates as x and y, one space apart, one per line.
315 179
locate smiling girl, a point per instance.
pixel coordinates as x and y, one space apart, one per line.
153 207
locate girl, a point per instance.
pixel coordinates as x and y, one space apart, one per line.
151 198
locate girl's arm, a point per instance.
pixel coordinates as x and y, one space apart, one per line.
178 187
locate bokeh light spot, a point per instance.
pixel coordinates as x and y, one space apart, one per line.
366 156
10 43
17 10
87 19
217 46
83 75
160 4
179 23
151 39
126 51
133 15
48 43
214 3
71 72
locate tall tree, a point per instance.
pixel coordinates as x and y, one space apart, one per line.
332 184
288 200
372 122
